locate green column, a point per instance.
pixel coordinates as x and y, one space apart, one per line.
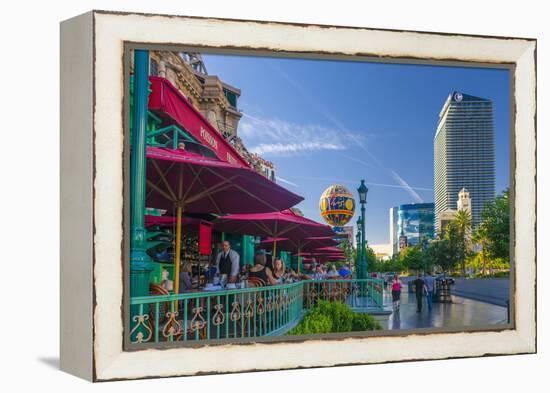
363 241
247 257
140 263
359 241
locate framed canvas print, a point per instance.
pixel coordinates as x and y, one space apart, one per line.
248 195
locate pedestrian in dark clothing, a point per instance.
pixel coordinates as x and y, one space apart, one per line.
429 281
419 288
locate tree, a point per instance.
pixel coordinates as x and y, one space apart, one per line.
463 226
440 253
370 256
393 265
495 216
348 249
412 258
456 247
481 237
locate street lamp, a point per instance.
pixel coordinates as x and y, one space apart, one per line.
362 191
358 247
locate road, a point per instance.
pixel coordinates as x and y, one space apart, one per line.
490 290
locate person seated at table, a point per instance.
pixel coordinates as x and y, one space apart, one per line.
290 273
309 269
227 262
243 273
261 271
210 272
319 274
269 261
333 273
278 269
185 278
344 271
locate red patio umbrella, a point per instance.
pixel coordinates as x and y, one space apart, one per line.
329 250
333 257
300 244
274 225
165 221
190 182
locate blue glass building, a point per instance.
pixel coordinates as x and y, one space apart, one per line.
415 221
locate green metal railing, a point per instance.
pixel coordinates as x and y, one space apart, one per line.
173 135
242 313
237 313
357 293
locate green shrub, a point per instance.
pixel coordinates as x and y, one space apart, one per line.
363 322
314 322
340 314
334 317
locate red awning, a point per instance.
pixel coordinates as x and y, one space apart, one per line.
206 185
167 101
276 224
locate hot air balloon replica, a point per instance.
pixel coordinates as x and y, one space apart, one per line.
337 205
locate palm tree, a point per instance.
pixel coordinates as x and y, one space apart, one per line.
463 221
481 237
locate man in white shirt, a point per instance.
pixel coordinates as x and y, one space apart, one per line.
227 262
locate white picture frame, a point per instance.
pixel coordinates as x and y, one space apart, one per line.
92 146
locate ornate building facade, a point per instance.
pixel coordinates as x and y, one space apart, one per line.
216 100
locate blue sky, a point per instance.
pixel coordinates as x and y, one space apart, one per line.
325 122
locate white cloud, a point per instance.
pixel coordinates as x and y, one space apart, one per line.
275 148
278 137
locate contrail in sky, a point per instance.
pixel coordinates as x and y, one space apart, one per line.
348 181
286 181
332 118
406 186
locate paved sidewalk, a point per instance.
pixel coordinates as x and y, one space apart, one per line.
462 312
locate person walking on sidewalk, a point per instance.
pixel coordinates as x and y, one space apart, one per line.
396 292
429 281
419 288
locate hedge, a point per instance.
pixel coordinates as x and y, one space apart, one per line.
334 317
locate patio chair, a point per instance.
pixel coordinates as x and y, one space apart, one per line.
255 282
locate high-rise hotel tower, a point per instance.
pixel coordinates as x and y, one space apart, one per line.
464 154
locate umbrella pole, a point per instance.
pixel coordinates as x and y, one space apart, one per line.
178 254
274 253
299 260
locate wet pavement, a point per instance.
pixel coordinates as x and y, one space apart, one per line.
462 312
489 290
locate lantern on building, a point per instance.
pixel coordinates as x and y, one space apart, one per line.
337 205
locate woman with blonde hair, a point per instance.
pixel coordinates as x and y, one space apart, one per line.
278 269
